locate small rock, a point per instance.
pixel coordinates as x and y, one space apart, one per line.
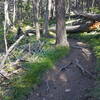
37 94
67 90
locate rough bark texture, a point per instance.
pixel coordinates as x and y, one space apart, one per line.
46 22
61 38
36 9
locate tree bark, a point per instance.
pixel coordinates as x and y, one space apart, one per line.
36 10
61 38
8 22
46 22
14 12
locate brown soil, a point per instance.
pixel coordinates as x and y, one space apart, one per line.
69 84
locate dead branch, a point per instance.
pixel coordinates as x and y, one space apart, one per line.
9 50
15 72
6 56
4 74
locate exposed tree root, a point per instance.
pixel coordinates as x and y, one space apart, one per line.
66 66
84 71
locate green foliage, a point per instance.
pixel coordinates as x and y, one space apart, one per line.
95 10
94 41
52 21
10 38
21 85
20 4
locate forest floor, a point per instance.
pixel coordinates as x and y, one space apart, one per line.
71 77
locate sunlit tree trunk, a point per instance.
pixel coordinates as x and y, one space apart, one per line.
8 22
93 2
14 12
49 7
36 12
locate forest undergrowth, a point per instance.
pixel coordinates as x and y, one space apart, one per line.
27 63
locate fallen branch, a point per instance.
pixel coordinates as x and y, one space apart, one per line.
6 56
9 50
15 72
4 74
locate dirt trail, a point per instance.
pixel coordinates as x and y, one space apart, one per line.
69 84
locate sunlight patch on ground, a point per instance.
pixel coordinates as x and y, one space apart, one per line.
52 34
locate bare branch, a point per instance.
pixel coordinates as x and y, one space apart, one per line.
9 50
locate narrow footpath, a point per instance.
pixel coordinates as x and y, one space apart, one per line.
72 77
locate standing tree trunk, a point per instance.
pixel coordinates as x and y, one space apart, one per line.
61 38
76 4
49 8
14 12
46 19
69 6
36 12
6 23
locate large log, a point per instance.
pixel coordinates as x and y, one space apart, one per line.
69 29
76 28
89 16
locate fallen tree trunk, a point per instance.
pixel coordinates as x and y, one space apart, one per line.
89 16
76 28
69 29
